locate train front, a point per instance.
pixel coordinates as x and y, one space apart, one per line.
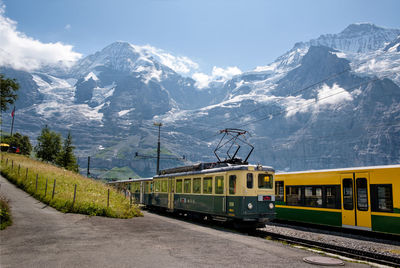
255 189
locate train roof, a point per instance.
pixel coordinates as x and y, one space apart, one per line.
340 169
131 180
204 168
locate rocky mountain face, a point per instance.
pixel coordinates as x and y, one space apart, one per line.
330 102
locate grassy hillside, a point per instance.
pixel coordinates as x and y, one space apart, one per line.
122 173
91 196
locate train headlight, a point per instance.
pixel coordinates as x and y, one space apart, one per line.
271 205
250 206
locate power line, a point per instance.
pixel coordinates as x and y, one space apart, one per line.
293 93
297 108
314 101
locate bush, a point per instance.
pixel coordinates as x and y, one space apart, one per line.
5 214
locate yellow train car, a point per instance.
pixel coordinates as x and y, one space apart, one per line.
366 198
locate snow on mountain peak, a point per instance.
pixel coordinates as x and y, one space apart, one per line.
361 28
358 38
179 64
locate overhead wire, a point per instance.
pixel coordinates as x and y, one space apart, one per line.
289 95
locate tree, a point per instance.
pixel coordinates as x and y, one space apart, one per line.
19 141
66 157
8 92
49 145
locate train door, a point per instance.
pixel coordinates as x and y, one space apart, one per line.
362 200
142 189
171 190
356 212
220 194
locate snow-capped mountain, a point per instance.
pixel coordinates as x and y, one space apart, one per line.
333 101
358 38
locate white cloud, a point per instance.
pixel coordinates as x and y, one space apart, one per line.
22 52
326 97
179 64
333 95
67 27
202 80
218 75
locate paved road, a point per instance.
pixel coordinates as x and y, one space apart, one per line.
44 237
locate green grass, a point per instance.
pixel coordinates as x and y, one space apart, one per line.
120 173
91 195
5 214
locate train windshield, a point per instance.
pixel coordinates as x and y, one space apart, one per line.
265 181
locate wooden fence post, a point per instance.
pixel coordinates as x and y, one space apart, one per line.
54 187
108 197
6 162
45 189
73 202
37 177
12 164
130 196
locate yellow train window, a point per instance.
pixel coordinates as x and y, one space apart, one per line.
187 187
382 197
313 196
207 185
232 184
219 184
178 186
157 186
164 186
279 191
197 185
136 187
265 181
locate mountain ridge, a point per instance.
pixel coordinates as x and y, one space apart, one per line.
314 90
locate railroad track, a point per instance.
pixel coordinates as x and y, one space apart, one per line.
339 250
325 247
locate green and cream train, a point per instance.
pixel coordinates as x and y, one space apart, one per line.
240 193
365 198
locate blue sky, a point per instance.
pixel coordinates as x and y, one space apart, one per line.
222 33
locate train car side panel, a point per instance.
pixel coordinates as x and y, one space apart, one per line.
324 217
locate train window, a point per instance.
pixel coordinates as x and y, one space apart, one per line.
136 187
293 196
187 186
232 184
197 185
219 184
265 181
348 202
164 186
157 186
207 185
362 194
279 191
332 196
151 187
313 196
381 198
249 180
178 186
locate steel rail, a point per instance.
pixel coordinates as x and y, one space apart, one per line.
339 250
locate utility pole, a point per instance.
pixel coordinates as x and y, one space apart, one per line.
158 146
12 124
88 167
